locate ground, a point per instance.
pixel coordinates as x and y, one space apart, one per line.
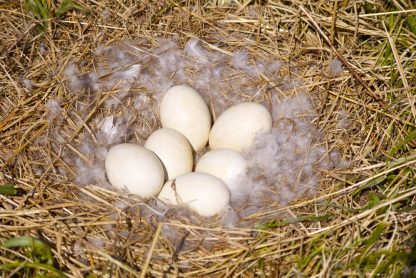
358 64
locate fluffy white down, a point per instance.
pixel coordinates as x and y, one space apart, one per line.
54 109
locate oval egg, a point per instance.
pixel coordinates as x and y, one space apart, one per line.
237 127
184 110
173 149
205 194
228 165
136 168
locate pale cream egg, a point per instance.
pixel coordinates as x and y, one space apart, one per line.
184 110
203 193
237 127
135 168
228 165
173 149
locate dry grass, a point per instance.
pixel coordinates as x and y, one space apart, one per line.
360 224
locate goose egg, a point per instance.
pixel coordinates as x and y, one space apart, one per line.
226 164
136 168
173 149
205 194
183 109
237 127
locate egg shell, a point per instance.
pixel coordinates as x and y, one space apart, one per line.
205 194
237 127
136 168
184 110
228 165
173 149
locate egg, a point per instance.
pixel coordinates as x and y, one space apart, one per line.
228 165
173 149
184 110
237 127
203 193
136 168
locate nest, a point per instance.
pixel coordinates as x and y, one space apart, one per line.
355 66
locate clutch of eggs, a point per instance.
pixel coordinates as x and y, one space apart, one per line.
167 154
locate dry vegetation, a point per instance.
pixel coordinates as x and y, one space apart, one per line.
360 224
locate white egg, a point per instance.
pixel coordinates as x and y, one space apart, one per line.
228 165
205 194
183 109
237 127
173 149
136 168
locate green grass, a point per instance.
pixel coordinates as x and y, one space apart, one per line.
44 12
8 190
41 263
